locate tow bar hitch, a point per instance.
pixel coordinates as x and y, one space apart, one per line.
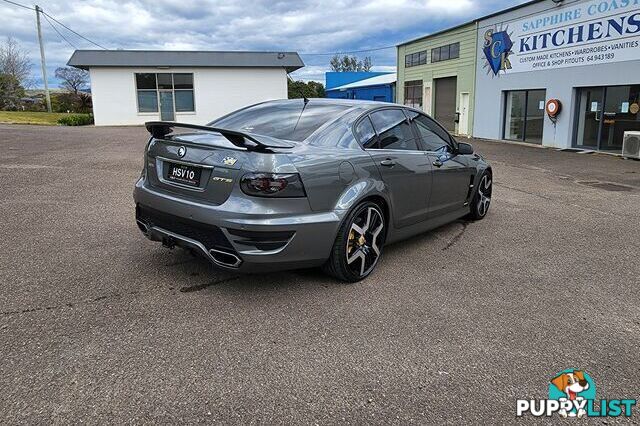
168 242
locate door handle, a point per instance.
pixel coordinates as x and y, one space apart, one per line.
388 162
437 163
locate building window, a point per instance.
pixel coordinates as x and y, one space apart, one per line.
524 118
415 59
413 93
149 85
444 53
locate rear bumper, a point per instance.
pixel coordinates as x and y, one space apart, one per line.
242 234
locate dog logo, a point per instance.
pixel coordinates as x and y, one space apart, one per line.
182 151
229 161
497 48
572 385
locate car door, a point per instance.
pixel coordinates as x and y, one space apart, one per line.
452 175
387 136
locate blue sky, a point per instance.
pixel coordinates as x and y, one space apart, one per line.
280 25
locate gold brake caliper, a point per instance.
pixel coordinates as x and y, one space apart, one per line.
350 243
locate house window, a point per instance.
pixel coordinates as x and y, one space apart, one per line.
148 86
415 59
413 93
444 53
147 92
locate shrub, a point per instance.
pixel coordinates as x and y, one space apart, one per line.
75 120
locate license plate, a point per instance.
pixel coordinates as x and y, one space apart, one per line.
186 175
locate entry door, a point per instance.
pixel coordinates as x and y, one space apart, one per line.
167 111
403 166
618 116
464 114
604 114
590 106
451 174
426 101
445 92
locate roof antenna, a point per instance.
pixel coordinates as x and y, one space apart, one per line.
306 101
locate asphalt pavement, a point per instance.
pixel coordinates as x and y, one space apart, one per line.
100 325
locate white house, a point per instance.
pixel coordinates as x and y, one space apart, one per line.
133 86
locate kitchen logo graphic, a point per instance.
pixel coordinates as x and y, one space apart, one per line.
572 393
497 48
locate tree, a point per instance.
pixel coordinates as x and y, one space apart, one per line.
10 92
300 89
349 63
72 79
15 62
318 89
366 64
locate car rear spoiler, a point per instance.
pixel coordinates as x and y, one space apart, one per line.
160 129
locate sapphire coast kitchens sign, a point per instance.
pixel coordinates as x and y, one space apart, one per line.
587 33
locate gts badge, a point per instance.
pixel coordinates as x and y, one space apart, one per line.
229 161
221 179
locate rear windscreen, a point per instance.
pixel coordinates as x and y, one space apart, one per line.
281 120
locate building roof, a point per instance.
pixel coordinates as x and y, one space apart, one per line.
372 81
334 79
474 21
86 59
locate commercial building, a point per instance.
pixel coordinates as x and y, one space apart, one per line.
583 53
379 88
437 74
586 54
131 87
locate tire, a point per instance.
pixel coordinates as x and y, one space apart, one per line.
358 245
481 201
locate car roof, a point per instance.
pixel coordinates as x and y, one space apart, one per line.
354 103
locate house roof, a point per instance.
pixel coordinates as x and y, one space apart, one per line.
372 81
86 59
474 21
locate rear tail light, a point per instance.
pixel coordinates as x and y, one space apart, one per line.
273 185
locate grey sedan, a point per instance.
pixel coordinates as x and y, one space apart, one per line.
306 183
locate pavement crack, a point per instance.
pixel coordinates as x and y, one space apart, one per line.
180 262
200 287
61 306
94 300
523 191
456 237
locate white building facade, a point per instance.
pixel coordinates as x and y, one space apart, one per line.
132 87
584 53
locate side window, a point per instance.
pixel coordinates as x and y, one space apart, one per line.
433 137
366 135
393 129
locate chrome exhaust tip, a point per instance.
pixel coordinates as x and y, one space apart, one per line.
143 227
225 258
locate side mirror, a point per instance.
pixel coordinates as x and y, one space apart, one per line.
465 148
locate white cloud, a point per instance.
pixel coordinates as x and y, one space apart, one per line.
304 26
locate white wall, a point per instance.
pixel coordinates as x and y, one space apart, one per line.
217 91
560 83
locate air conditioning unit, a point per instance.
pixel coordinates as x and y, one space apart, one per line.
631 145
